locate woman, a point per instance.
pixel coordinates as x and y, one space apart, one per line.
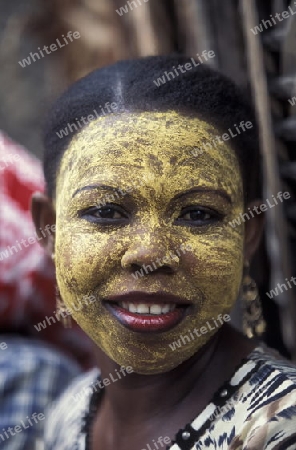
146 226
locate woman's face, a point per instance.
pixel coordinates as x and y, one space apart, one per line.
160 258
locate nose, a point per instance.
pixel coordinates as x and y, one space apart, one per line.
151 256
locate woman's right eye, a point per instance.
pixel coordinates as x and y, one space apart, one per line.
105 214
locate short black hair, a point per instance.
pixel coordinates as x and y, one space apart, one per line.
132 85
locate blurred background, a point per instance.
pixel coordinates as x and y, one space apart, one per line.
262 61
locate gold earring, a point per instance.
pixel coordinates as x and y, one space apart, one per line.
253 321
62 310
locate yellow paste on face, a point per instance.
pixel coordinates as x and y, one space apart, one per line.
149 155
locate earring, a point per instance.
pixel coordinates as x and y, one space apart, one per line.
62 310
253 321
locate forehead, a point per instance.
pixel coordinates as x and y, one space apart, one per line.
136 144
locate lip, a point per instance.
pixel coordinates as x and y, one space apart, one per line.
147 323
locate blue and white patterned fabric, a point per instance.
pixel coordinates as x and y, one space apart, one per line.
32 375
255 410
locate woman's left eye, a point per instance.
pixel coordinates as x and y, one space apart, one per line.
198 215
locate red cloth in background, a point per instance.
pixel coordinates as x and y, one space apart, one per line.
27 279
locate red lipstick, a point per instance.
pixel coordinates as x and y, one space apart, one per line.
147 312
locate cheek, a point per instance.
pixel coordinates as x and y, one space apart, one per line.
217 268
84 257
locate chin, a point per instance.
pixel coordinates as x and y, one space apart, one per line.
157 364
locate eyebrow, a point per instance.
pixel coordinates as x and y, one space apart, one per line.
97 186
201 189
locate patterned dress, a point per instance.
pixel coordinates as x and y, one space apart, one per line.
254 410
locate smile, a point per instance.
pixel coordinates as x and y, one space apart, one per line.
142 312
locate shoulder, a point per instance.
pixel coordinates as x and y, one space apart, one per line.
265 407
272 404
273 385
259 411
275 375
70 411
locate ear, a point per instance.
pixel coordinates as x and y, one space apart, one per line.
44 219
253 228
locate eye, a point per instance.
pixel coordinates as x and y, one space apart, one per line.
105 214
198 216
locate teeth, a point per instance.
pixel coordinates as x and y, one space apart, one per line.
155 309
144 308
165 309
132 308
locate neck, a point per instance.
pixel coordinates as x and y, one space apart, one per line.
158 394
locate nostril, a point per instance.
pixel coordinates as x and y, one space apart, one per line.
166 269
